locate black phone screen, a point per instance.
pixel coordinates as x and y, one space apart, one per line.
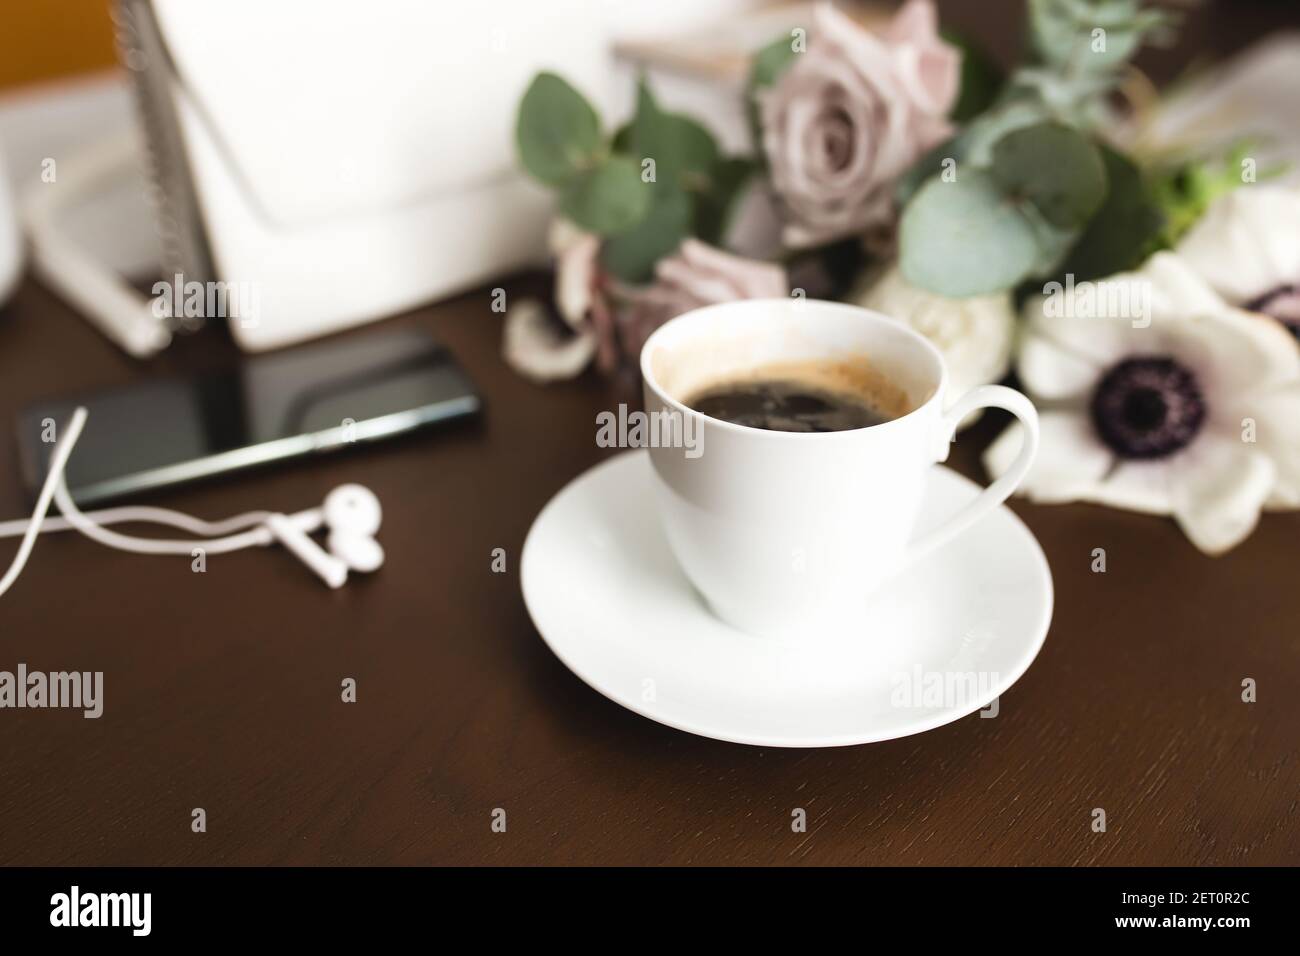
267 408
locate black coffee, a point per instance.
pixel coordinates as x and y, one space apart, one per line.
787 405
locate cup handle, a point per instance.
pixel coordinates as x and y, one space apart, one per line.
985 396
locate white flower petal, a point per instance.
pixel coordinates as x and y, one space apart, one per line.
1137 486
1246 366
1233 352
974 334
1218 491
1230 350
1052 372
1176 288
575 277
1275 418
1071 460
535 348
1247 243
1077 325
1227 349
1131 313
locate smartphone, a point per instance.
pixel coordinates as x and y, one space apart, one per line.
302 401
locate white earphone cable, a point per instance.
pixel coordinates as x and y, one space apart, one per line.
255 537
350 512
57 463
56 488
146 515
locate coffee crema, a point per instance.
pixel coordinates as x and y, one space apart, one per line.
805 396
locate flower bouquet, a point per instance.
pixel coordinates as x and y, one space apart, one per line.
1150 304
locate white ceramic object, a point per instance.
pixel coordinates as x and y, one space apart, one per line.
944 639
11 247
787 534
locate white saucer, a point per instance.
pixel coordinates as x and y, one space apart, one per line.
608 597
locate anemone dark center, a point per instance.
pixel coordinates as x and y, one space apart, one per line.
1283 304
1148 408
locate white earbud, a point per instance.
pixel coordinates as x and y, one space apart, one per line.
352 515
330 569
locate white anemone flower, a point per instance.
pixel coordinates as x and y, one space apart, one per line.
1247 247
1190 408
974 334
535 346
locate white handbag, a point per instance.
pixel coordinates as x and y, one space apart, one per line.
346 160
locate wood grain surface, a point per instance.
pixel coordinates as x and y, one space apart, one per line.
222 690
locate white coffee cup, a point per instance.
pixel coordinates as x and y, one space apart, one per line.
786 534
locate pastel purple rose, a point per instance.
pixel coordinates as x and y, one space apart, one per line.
610 321
696 275
850 115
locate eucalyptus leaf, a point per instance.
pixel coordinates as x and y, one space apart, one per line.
1054 167
1081 49
632 255
1092 36
1124 229
1053 242
1077 98
770 62
609 199
981 80
715 206
965 238
684 152
1015 110
697 151
1060 30
557 132
930 164
622 141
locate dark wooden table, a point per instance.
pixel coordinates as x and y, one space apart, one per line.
222 690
